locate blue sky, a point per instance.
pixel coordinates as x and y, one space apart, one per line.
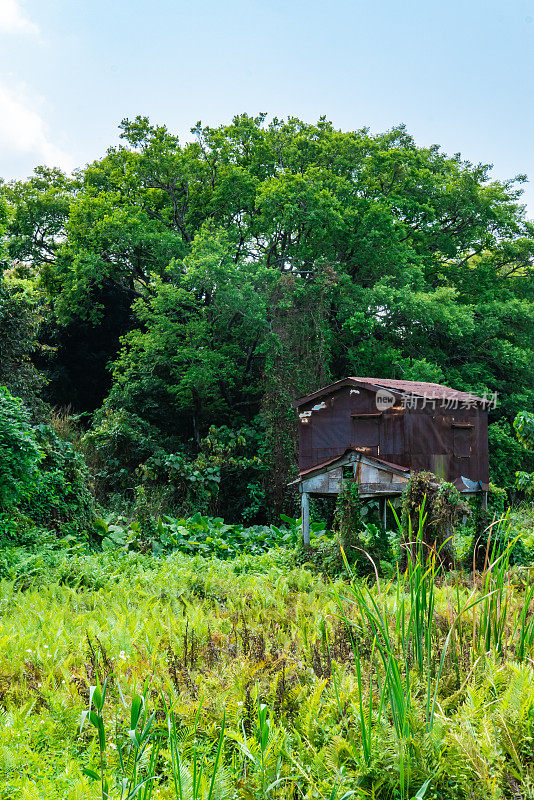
459 74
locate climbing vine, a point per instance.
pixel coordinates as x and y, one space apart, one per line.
439 506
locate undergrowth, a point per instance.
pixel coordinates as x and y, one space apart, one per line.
259 679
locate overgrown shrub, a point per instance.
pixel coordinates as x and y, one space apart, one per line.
488 535
356 540
524 428
442 506
239 457
225 478
222 475
180 483
61 491
118 442
20 316
19 451
43 480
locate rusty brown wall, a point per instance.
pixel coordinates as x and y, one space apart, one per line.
421 439
450 443
327 434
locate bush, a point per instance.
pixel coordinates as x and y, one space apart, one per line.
61 492
20 316
356 541
17 529
179 483
524 428
116 445
489 536
30 556
224 479
507 454
43 480
19 452
441 505
201 535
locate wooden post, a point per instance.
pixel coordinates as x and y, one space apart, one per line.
385 513
305 508
485 500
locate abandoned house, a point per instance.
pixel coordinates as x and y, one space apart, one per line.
377 431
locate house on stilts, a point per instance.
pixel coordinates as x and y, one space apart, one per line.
378 431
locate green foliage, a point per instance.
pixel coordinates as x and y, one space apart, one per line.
191 483
403 641
237 457
487 533
40 474
365 545
136 773
38 209
193 357
61 492
358 545
179 471
507 454
255 679
524 481
524 428
115 446
224 477
433 507
20 316
221 278
497 501
208 536
19 452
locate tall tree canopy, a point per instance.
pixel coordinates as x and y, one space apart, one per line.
207 283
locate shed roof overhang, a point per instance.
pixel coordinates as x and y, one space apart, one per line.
398 388
354 455
392 483
351 455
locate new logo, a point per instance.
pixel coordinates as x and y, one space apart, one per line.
384 399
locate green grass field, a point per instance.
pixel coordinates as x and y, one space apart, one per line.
266 681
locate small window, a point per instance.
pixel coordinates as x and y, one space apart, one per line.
462 441
365 431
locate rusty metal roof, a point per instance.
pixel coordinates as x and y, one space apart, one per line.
419 388
351 450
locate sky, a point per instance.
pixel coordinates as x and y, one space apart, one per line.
457 74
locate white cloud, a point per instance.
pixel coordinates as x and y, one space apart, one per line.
24 138
13 18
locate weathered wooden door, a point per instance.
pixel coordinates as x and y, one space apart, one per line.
365 432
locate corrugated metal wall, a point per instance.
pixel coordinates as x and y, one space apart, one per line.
450 443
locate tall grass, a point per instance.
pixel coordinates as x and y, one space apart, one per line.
420 686
413 648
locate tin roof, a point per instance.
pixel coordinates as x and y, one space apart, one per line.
419 388
351 450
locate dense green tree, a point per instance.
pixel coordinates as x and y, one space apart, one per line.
261 259
20 316
524 428
196 355
39 209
